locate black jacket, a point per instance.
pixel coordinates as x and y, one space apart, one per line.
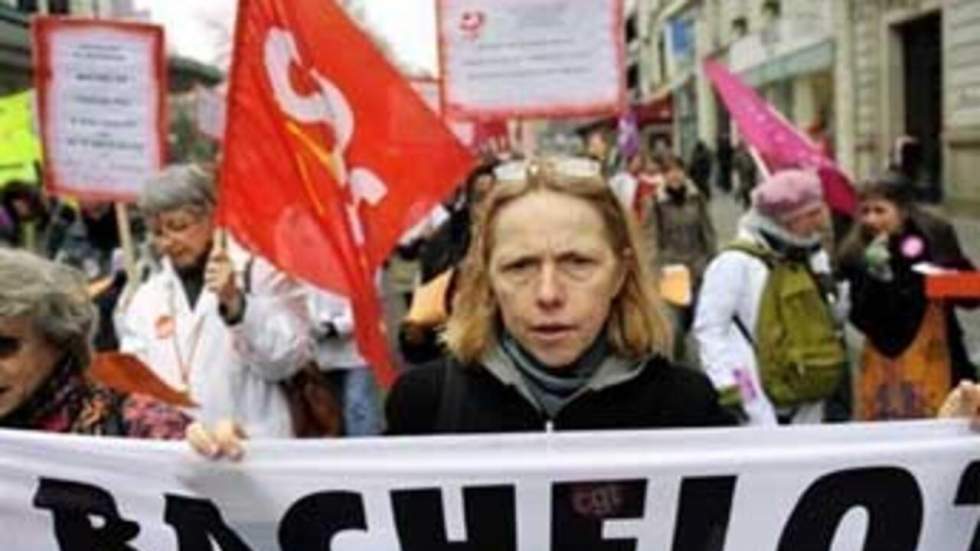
890 313
451 398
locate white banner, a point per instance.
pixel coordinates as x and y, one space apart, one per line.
532 58
897 487
102 118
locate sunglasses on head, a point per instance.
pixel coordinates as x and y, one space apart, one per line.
572 167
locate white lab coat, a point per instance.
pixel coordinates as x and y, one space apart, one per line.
732 286
234 371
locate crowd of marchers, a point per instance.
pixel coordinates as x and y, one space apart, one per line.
550 293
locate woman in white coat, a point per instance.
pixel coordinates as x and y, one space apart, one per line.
787 218
215 322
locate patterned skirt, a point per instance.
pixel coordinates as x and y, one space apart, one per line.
914 384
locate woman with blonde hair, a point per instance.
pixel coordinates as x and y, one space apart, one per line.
555 324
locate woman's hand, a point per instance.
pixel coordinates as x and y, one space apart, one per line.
964 401
225 441
219 277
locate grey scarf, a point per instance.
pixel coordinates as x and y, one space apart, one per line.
553 388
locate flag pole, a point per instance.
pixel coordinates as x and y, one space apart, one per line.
126 242
759 163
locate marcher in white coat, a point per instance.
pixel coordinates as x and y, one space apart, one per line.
216 322
787 218
338 358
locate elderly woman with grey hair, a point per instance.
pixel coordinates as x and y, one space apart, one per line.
216 323
46 321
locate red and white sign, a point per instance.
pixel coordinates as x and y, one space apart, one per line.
101 89
505 59
210 111
328 158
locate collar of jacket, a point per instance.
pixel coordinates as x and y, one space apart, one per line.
690 191
753 224
613 371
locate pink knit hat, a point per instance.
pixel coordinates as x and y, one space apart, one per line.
787 194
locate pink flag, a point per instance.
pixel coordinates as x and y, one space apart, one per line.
779 144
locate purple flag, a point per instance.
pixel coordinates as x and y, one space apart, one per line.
629 135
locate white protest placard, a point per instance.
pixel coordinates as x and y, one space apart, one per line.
911 486
101 87
210 112
531 58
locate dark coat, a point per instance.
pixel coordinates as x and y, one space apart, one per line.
680 224
451 398
890 313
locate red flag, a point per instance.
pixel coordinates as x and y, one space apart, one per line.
329 154
778 142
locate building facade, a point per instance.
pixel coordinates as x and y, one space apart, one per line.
916 77
15 51
862 75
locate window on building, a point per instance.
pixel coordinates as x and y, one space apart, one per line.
633 77
740 26
772 8
59 7
631 29
27 6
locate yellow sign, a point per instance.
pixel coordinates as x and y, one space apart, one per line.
19 144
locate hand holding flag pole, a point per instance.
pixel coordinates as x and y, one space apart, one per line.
299 117
219 277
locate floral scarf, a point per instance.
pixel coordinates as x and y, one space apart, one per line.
67 402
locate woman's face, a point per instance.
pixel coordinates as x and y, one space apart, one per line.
182 235
674 177
26 360
554 274
881 216
636 164
809 223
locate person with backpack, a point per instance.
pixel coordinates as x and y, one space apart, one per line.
767 322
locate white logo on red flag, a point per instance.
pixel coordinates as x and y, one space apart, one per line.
329 107
329 154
